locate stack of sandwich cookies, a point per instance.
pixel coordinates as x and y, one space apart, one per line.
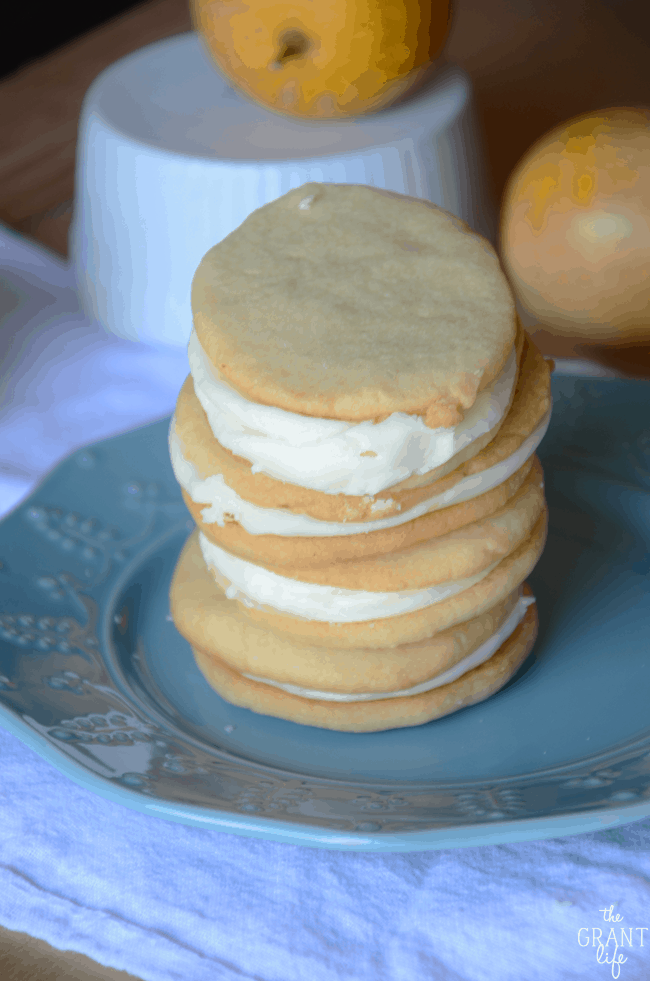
362 410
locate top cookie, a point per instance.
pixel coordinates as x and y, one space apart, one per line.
347 302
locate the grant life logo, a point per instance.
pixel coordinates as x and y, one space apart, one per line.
607 951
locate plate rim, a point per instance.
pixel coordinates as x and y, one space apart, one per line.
270 829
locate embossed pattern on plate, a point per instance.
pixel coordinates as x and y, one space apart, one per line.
94 676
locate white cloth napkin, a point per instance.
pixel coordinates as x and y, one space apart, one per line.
172 903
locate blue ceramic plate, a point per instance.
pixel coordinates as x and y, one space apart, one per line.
95 678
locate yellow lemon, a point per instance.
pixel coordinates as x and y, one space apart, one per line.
324 58
575 227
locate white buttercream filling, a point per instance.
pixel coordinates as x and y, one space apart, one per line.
225 504
339 457
256 586
482 653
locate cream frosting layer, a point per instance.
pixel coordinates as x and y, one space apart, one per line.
479 656
225 503
256 586
338 457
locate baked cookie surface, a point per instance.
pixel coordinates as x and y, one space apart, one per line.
389 713
343 302
530 405
282 552
459 554
219 626
388 631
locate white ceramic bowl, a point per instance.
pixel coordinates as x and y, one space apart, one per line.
171 159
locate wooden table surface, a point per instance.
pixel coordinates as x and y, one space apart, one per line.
533 63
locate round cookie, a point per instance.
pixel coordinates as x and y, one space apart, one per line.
281 551
341 302
493 589
459 554
389 631
372 716
217 625
530 404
